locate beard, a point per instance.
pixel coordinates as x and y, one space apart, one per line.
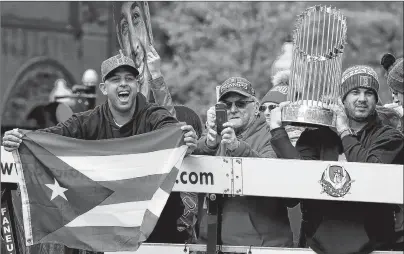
360 119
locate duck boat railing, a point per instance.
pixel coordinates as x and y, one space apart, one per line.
303 179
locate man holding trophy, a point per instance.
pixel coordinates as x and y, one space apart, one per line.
343 125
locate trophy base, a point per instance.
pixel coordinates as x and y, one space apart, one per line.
307 115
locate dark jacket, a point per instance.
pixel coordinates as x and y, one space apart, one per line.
248 220
99 124
345 227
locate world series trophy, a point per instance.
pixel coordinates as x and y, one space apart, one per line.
318 46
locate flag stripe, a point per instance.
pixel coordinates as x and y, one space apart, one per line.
148 142
158 202
97 238
139 189
120 167
135 189
169 180
129 214
149 222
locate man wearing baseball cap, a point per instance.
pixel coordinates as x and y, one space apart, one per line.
125 113
360 136
257 221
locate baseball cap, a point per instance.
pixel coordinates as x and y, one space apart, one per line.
116 61
277 94
236 85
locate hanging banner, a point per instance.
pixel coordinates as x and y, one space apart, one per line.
7 241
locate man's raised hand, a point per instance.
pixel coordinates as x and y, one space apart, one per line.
153 62
12 140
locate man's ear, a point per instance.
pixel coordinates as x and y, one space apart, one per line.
103 88
256 107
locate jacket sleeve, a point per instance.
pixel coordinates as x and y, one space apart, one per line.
203 149
72 128
161 94
282 146
161 118
284 149
384 149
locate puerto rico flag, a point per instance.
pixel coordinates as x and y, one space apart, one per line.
99 195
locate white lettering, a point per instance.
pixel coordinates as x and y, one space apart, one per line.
3 211
10 247
8 239
5 221
6 229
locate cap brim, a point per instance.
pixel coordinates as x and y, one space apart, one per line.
235 91
135 71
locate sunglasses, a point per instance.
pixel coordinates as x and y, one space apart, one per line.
270 107
239 104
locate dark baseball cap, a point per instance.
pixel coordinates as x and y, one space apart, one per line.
236 85
115 62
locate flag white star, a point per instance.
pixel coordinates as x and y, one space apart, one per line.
56 190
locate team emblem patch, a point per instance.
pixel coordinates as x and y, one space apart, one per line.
336 181
364 81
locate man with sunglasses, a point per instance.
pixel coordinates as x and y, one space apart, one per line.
256 221
278 94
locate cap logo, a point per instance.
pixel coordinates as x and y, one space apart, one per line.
281 89
364 81
241 85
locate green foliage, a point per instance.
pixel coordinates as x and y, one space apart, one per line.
213 41
208 42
